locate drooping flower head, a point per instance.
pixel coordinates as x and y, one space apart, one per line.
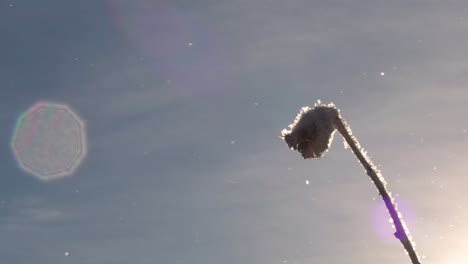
312 131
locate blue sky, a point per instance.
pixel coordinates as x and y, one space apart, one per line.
184 102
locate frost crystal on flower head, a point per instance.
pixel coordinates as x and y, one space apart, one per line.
312 131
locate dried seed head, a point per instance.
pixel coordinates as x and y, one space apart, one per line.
312 131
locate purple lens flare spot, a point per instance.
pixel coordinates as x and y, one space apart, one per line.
184 50
381 223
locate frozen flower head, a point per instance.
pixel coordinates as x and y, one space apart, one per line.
312 131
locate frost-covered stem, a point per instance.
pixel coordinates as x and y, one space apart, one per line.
401 232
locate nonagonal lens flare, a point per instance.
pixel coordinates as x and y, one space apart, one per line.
49 141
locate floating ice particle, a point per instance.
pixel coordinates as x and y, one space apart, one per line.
307 182
233 142
66 254
382 73
190 44
49 141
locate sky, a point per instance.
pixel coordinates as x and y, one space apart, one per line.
182 104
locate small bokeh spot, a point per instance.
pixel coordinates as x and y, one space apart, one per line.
49 141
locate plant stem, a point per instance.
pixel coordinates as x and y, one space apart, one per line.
401 232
